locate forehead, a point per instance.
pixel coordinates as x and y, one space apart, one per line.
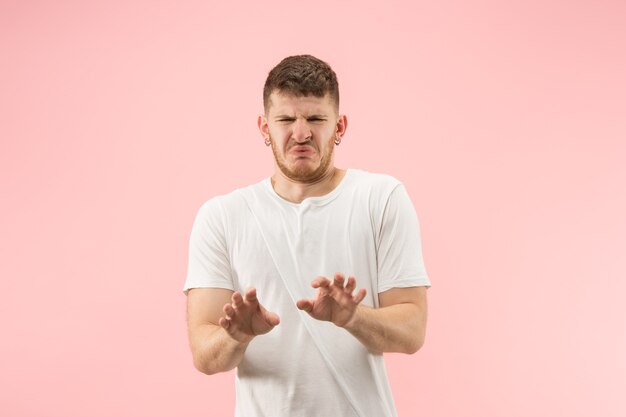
285 103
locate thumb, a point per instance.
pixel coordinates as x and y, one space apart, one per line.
269 317
272 318
305 305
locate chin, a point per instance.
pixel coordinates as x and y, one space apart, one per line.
303 174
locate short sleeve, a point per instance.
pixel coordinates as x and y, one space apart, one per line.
400 261
209 263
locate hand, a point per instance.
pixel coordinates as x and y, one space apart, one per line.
333 302
246 317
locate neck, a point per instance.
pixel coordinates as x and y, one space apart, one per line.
296 192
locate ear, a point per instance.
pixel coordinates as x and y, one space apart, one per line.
342 125
263 127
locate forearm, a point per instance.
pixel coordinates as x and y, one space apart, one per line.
214 350
396 328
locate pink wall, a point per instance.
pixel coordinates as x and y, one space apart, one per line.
506 121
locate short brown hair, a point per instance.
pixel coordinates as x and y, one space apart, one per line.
302 75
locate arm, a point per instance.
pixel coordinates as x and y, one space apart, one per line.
399 324
221 324
213 350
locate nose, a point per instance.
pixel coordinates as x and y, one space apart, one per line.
301 131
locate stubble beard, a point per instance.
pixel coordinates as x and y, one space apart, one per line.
305 174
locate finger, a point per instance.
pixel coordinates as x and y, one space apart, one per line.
272 318
305 305
251 295
351 285
237 299
229 310
338 280
320 282
360 295
224 322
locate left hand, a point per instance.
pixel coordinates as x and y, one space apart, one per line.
333 302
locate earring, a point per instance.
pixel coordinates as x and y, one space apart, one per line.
268 141
337 140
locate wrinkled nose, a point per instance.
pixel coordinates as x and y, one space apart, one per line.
301 131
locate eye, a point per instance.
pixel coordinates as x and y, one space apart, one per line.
316 119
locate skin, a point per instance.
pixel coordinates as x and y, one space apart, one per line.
222 323
303 131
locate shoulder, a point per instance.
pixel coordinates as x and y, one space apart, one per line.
375 184
230 203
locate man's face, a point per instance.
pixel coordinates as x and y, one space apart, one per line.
302 132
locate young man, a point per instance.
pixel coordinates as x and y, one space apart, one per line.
274 267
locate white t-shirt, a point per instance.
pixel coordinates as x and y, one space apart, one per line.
367 228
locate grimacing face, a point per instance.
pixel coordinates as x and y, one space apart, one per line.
302 131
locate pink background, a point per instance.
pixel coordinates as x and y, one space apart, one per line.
505 120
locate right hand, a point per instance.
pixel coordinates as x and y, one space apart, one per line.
246 318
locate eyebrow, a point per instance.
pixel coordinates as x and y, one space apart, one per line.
312 116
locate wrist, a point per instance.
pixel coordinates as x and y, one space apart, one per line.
239 341
353 322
